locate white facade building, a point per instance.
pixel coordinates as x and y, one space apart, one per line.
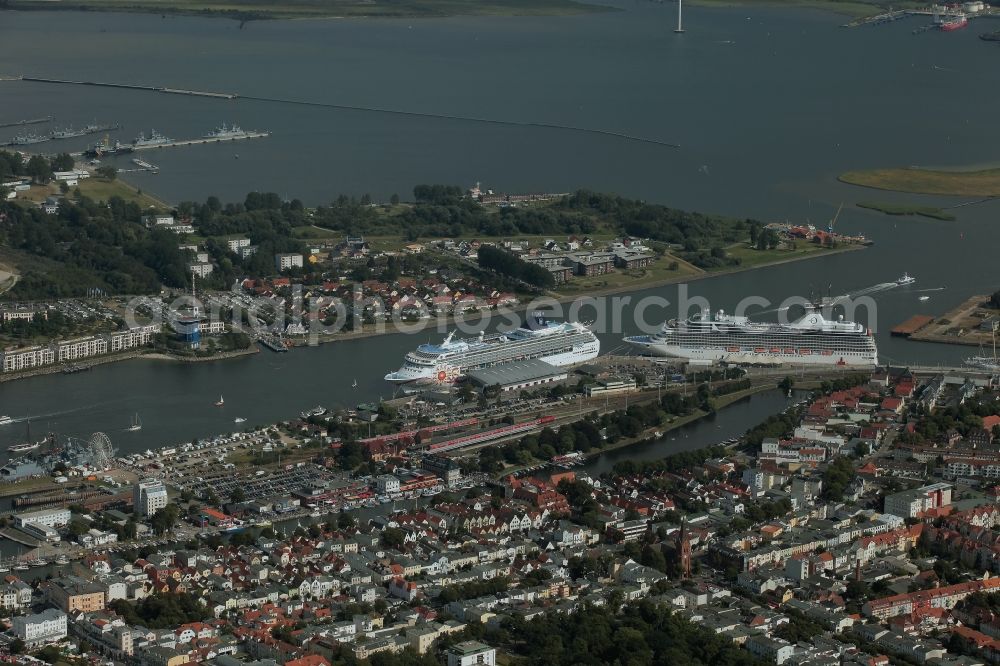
387 483
136 336
149 496
45 627
202 269
912 503
236 243
471 653
70 350
29 357
48 517
288 260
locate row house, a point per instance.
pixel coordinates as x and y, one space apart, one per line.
943 597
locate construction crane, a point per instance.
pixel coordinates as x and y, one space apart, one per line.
829 228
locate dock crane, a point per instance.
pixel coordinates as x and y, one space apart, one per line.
829 228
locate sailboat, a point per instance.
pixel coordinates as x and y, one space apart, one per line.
136 424
220 402
986 362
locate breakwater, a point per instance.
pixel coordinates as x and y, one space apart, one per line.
366 109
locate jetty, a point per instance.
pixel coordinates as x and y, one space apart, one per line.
203 140
29 121
132 86
274 344
143 166
911 326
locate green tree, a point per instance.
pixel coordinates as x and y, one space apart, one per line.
62 162
107 172
164 519
38 169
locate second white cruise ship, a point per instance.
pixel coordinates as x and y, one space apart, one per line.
556 343
810 340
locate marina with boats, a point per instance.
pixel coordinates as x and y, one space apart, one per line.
68 132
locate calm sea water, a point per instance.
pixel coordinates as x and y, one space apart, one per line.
767 106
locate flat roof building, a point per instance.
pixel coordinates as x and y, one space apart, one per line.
47 517
148 497
470 653
519 375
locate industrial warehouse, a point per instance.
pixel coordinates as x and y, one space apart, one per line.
519 375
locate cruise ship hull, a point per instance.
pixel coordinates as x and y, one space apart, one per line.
450 373
558 345
793 355
811 340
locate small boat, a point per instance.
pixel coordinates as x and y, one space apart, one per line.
355 384
21 567
23 447
239 419
136 424
906 279
5 420
220 402
62 559
923 298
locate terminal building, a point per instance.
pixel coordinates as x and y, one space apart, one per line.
519 375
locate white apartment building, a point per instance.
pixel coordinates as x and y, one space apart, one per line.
471 653
70 350
148 497
202 270
912 503
966 468
287 260
45 627
136 336
29 357
236 243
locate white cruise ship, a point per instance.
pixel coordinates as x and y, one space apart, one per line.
556 343
811 340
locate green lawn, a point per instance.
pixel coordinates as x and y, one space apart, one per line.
658 273
102 190
750 257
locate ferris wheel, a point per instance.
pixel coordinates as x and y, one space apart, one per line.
102 453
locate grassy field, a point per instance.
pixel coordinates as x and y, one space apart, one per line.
658 273
907 209
306 9
102 190
985 183
97 189
751 257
